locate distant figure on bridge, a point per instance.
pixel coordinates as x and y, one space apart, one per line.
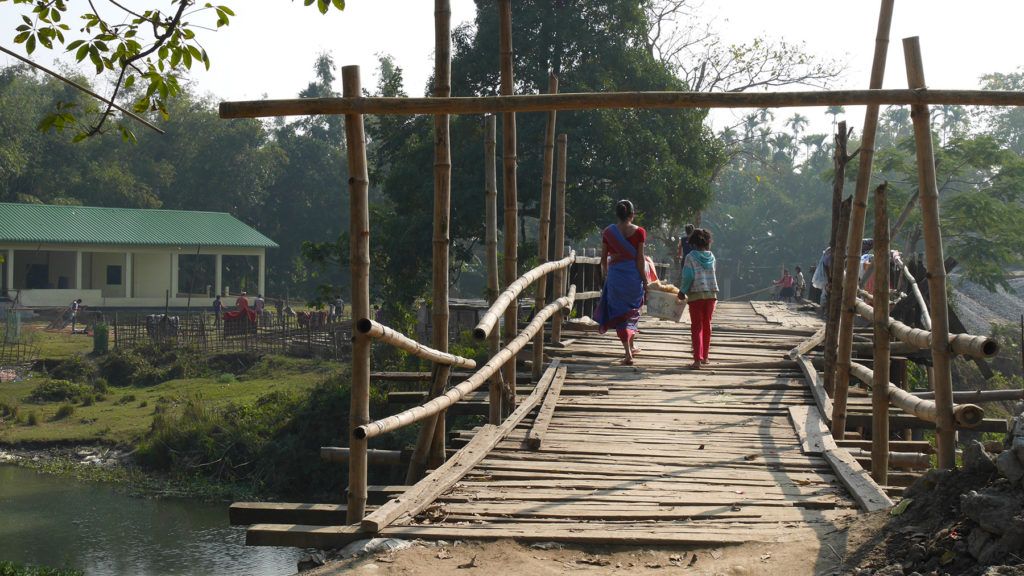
799 284
700 289
684 246
786 282
625 280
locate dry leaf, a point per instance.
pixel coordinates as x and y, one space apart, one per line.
716 554
750 457
470 564
443 554
766 556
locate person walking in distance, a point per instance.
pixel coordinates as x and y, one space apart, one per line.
218 310
786 295
799 284
76 305
700 290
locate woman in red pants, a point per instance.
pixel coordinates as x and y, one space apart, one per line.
700 289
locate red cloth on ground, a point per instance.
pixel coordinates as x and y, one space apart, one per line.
237 315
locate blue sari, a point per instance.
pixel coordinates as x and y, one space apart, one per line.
623 292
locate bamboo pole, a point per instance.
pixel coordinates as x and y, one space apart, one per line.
545 225
945 434
491 187
510 295
964 415
976 396
426 444
835 296
966 344
359 257
402 419
381 332
926 321
857 216
508 104
508 156
880 386
556 322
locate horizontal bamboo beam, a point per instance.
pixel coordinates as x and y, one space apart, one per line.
381 332
979 395
965 415
506 298
588 295
374 456
966 344
896 459
593 260
452 396
610 100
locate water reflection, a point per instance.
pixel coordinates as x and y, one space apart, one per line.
63 523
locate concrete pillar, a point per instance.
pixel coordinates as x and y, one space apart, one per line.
128 274
10 271
174 275
218 264
78 269
263 273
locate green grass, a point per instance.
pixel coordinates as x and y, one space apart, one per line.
55 345
115 421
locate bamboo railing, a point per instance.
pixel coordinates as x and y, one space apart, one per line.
964 344
381 332
965 415
511 294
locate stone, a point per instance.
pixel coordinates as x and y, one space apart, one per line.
993 513
1010 467
977 459
1018 447
977 541
993 446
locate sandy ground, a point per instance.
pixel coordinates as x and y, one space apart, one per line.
834 553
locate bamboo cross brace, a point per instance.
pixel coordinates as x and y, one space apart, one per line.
502 302
965 415
381 332
452 396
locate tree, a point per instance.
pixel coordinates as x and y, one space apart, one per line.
149 46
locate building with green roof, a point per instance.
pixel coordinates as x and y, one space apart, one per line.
123 257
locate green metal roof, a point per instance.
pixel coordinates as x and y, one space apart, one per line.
43 223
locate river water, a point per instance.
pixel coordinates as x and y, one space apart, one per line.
61 523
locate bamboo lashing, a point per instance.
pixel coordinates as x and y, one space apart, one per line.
402 419
508 104
964 415
964 344
490 318
945 434
855 234
545 225
509 180
556 322
880 382
359 262
378 331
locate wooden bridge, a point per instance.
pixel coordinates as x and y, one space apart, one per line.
653 453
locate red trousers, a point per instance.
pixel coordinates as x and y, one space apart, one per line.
700 327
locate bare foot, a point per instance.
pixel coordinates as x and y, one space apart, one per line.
704 361
635 351
627 361
695 365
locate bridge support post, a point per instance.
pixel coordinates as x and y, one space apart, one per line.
508 156
880 381
545 227
560 275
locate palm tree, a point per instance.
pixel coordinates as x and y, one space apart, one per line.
797 122
835 111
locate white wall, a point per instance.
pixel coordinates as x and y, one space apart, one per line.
152 274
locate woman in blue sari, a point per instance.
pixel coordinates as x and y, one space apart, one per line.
625 280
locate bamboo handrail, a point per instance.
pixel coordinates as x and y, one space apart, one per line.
925 318
402 419
979 395
611 100
965 415
490 318
965 344
588 295
381 332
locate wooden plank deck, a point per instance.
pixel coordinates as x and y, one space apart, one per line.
659 453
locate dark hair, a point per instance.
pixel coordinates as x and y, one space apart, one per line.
797 268
623 210
700 239
688 229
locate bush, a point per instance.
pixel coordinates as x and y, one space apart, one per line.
100 385
64 411
100 338
18 569
121 367
226 379
9 409
60 391
75 369
33 419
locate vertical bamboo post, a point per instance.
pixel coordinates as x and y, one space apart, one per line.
359 226
556 322
427 442
833 295
857 216
491 189
880 382
545 226
942 384
838 269
508 156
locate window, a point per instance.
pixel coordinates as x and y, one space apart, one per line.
113 275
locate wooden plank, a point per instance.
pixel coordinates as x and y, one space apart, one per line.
817 387
425 491
810 429
244 513
303 536
547 410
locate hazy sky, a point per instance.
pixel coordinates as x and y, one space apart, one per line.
271 45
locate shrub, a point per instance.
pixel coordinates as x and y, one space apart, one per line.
100 338
88 400
18 569
100 385
33 419
226 379
60 391
9 409
75 369
121 367
64 411
127 398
